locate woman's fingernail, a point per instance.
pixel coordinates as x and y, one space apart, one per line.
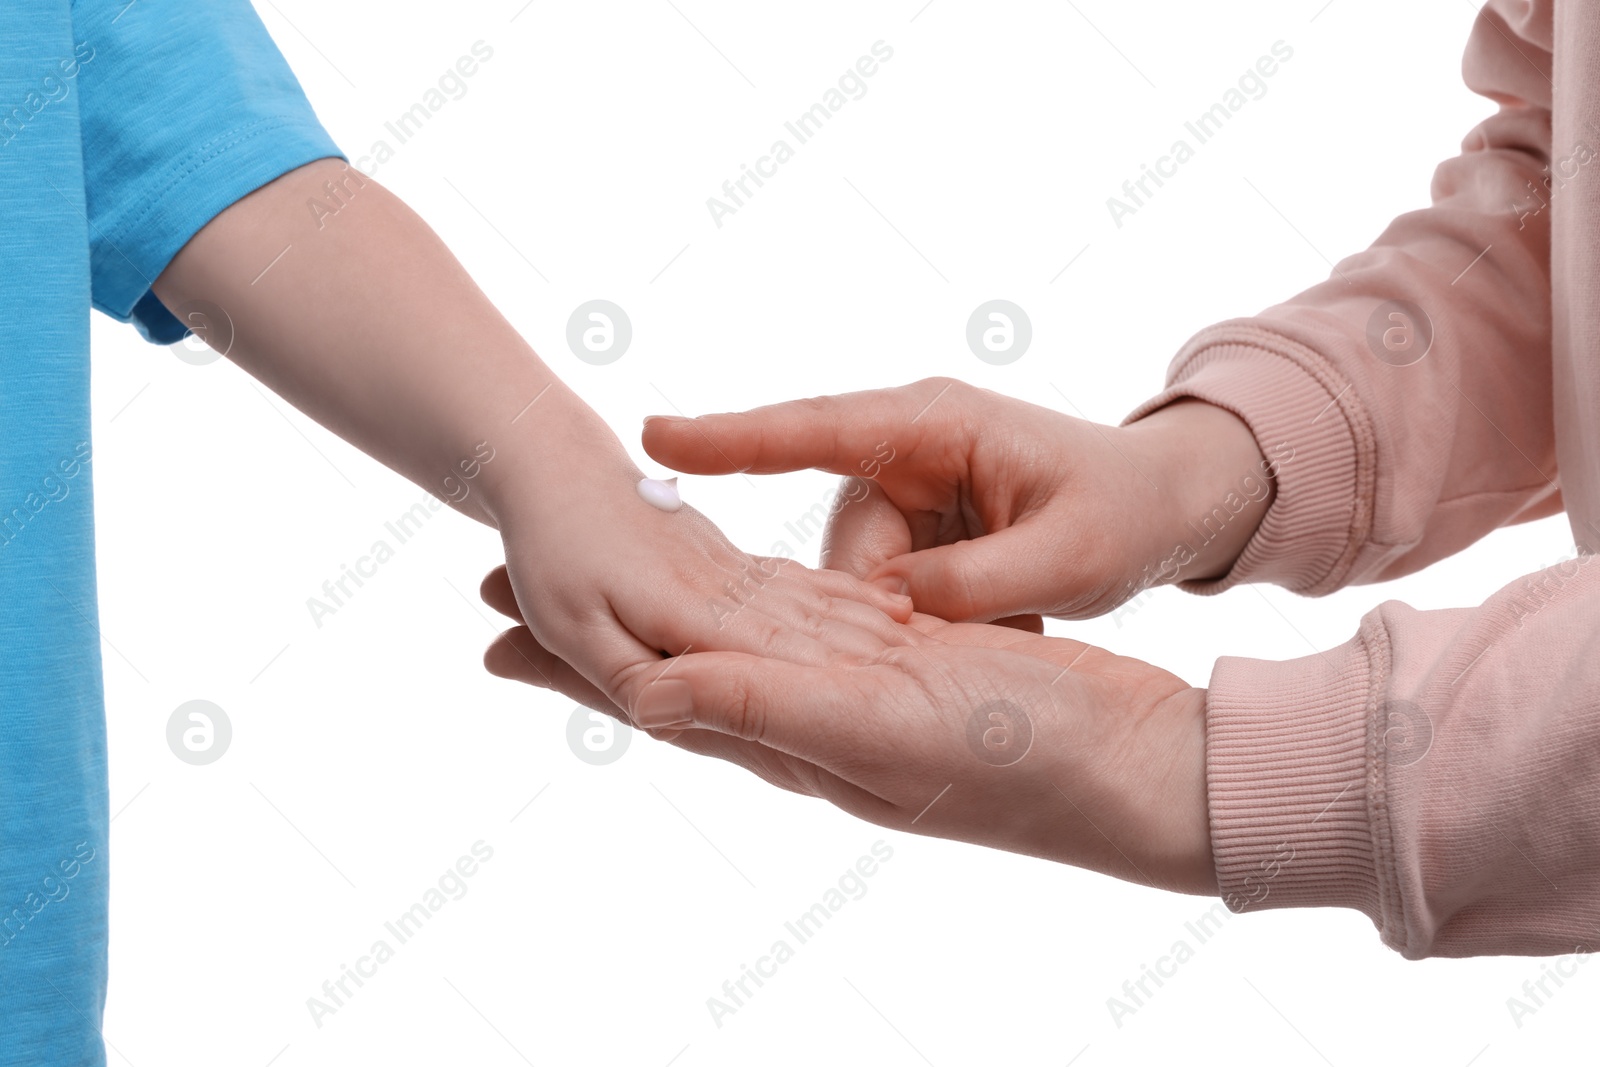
668 702
648 419
890 583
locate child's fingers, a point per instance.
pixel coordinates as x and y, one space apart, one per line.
497 593
814 611
774 624
844 624
885 630
516 654
850 587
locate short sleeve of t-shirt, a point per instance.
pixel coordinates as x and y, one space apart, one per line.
186 106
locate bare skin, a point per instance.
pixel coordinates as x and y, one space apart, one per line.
1105 767
993 507
365 321
981 508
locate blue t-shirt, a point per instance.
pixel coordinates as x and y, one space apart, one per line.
124 128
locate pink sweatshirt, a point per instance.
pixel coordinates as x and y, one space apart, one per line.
1441 771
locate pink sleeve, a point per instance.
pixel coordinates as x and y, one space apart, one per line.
1440 772
1385 464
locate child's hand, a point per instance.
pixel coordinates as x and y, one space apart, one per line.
1037 745
374 329
984 507
609 583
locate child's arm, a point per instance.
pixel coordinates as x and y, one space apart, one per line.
369 325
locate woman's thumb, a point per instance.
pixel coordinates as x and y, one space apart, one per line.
990 577
864 529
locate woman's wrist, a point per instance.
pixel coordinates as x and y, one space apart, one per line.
1215 483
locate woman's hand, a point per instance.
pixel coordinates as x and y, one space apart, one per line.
1037 745
982 507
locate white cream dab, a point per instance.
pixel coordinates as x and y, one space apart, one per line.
661 494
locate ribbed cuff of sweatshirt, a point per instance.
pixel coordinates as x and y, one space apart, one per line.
1305 420
1295 783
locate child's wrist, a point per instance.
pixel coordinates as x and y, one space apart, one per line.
545 467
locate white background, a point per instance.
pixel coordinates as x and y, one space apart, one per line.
370 753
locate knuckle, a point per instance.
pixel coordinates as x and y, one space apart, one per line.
815 596
951 388
767 634
743 715
966 589
814 405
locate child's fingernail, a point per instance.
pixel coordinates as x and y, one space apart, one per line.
891 583
666 703
648 419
